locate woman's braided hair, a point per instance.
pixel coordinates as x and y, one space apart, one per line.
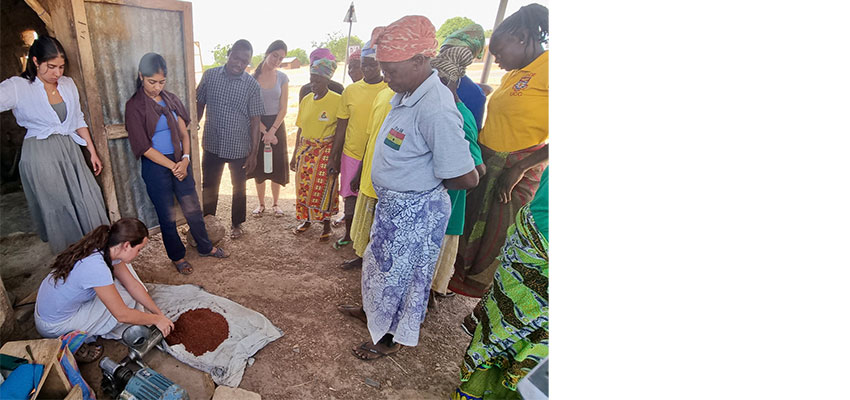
533 20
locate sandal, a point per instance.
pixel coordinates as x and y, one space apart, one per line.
183 267
258 212
342 243
218 253
324 237
302 228
277 211
373 353
88 352
351 264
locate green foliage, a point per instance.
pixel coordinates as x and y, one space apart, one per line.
300 54
335 42
256 60
220 55
451 25
488 33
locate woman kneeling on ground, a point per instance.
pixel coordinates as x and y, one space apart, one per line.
156 125
93 288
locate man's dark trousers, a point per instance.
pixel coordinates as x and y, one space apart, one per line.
213 166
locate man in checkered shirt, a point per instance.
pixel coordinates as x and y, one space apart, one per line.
232 129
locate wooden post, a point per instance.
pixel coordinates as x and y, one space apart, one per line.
43 14
95 112
189 44
488 60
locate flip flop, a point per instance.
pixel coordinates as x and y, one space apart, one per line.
219 253
373 353
183 267
88 352
325 237
277 211
341 243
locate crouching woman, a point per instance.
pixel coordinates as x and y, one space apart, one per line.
93 288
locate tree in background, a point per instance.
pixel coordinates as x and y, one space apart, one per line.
220 57
257 59
300 54
451 25
488 33
335 42
220 54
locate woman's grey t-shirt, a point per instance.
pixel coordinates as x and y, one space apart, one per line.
271 96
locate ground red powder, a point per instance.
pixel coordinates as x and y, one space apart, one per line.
199 330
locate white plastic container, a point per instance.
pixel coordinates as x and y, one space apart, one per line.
267 159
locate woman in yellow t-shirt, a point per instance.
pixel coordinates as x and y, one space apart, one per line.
317 193
514 147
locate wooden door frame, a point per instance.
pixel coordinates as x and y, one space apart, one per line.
101 133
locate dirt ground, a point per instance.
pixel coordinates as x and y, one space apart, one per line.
296 283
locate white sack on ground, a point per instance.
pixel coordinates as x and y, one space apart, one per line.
250 331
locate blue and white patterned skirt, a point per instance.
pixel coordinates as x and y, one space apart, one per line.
399 262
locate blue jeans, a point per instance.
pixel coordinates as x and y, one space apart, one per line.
213 166
162 187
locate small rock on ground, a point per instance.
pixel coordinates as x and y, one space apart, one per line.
372 383
229 393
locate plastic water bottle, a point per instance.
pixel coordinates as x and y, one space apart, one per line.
267 159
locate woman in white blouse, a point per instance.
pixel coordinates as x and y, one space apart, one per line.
63 198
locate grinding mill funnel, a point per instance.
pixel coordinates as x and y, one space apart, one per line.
141 339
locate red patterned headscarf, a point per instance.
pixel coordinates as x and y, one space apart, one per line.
405 38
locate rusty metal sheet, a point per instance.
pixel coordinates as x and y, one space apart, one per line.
120 36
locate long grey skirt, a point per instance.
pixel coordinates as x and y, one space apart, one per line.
63 198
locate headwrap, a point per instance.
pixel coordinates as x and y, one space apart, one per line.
321 53
323 67
410 36
451 63
368 50
354 56
470 36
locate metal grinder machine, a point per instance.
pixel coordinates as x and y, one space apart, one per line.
132 378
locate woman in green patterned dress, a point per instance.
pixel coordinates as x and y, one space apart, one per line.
512 335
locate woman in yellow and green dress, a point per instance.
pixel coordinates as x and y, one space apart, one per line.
512 335
514 147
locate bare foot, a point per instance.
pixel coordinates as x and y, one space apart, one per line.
353 311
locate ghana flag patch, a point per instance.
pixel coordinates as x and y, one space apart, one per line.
394 139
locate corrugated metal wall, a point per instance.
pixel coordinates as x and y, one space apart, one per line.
120 36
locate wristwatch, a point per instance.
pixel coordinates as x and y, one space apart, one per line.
186 156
